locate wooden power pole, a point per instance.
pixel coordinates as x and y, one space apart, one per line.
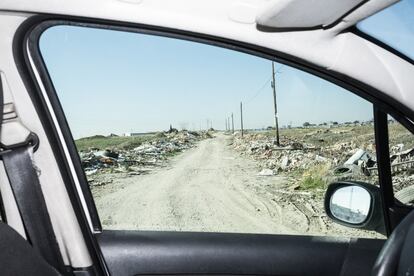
232 123
275 104
241 118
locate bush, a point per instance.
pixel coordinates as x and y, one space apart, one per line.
315 177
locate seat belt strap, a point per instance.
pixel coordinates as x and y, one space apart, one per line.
29 198
17 144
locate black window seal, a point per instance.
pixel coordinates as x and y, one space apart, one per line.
3 216
33 41
22 62
37 24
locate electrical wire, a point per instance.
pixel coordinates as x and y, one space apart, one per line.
259 91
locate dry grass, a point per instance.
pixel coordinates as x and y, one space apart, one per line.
315 177
117 142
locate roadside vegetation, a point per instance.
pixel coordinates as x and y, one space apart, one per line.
325 137
400 135
112 142
314 178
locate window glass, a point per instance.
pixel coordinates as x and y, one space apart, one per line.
402 161
394 26
177 135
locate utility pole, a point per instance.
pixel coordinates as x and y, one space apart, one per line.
241 118
274 101
232 123
225 122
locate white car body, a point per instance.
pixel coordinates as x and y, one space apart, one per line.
216 20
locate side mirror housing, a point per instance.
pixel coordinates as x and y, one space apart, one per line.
355 204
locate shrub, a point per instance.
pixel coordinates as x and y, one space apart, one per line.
315 177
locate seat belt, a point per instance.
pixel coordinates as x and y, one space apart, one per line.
17 145
17 257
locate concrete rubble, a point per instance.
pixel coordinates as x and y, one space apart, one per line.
402 167
266 172
354 160
143 158
344 159
360 162
291 155
303 164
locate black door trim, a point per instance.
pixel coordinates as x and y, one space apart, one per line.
184 253
384 165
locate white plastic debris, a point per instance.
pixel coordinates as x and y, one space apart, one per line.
266 172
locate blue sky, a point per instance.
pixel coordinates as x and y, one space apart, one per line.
116 82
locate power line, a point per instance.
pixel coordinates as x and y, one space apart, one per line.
272 77
264 85
259 90
280 67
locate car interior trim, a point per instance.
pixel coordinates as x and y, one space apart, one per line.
21 56
381 100
384 165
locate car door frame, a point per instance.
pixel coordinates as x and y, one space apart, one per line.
29 33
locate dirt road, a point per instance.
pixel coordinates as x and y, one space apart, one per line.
209 188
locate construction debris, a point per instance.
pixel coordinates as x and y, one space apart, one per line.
266 172
296 155
352 159
133 161
359 157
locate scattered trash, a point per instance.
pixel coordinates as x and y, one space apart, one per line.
347 170
397 148
289 156
266 172
351 159
319 158
359 157
403 160
284 163
152 153
90 172
295 154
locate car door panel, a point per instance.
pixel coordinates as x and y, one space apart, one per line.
184 253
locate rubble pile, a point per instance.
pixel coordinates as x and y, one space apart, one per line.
402 167
345 159
352 158
153 152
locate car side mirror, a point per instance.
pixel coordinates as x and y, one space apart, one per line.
355 204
